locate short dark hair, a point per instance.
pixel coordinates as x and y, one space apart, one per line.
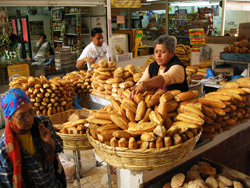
96 30
13 38
43 35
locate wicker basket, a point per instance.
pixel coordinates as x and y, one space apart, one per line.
138 159
75 142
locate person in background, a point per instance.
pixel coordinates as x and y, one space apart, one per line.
15 48
95 51
29 146
166 72
42 47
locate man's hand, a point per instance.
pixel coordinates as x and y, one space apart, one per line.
91 60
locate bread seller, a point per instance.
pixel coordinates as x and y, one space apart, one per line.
166 72
29 146
95 51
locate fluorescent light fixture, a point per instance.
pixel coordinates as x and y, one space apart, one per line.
180 4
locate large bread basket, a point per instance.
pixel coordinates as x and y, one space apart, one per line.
138 159
75 142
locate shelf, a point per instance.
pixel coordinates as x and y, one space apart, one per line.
59 8
57 30
57 41
72 34
70 14
85 34
179 19
57 20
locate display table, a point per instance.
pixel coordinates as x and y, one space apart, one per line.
130 179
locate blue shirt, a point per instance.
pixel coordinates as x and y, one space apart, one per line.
37 176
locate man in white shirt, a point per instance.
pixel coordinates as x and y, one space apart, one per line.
42 47
95 51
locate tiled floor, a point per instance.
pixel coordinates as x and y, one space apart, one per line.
92 176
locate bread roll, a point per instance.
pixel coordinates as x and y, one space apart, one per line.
208 112
160 131
105 127
115 103
159 142
130 68
121 134
123 143
132 144
190 117
153 100
138 98
175 92
130 115
220 96
177 139
126 105
152 145
186 108
111 64
162 109
155 117
212 102
140 111
148 136
172 105
166 96
119 120
144 145
167 141
187 124
186 95
114 142
102 115
99 121
141 128
146 116
129 101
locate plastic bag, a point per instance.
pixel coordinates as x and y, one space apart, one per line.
68 166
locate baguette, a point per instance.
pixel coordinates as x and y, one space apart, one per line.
115 103
155 117
132 144
190 117
140 128
220 96
186 95
166 96
99 121
186 108
119 120
130 115
128 106
168 122
114 142
102 115
167 141
122 134
207 128
138 98
140 111
105 127
123 143
219 111
93 130
146 116
159 142
175 92
187 124
208 120
172 130
162 109
153 100
148 136
208 112
129 101
160 131
172 105
212 102
205 135
105 136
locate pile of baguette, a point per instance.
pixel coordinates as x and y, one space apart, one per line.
150 59
199 69
74 125
183 52
241 47
109 80
227 107
81 81
202 175
48 96
150 120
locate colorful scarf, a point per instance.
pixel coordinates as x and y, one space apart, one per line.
12 100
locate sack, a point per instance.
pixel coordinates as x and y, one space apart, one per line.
69 167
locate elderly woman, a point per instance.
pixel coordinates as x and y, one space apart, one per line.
166 72
29 146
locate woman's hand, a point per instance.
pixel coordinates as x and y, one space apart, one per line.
45 135
139 88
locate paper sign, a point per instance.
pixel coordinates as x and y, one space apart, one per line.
20 69
126 3
120 19
197 39
14 26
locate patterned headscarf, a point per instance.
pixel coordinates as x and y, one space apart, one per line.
12 100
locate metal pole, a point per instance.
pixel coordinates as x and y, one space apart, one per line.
224 5
166 19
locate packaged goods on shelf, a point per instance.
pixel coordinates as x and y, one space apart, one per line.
64 59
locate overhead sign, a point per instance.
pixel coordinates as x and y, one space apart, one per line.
126 3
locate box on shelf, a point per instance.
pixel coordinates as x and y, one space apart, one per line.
224 71
124 57
244 31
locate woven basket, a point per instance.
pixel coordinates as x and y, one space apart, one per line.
138 159
75 142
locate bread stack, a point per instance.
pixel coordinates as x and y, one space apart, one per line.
199 69
146 121
150 59
74 125
101 79
225 108
204 175
183 52
242 47
81 81
48 96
